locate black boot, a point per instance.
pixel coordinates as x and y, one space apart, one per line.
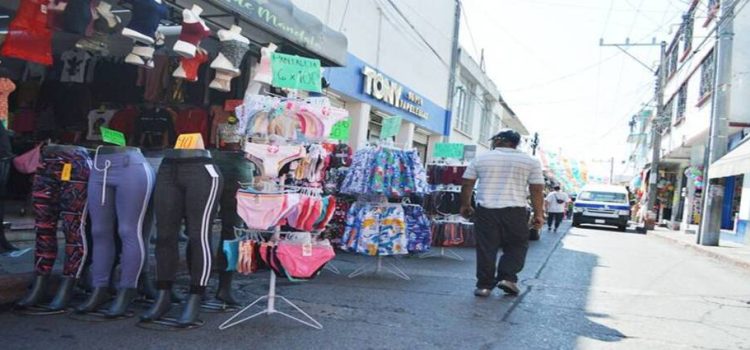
148 287
64 294
191 311
98 297
160 307
224 292
37 292
124 297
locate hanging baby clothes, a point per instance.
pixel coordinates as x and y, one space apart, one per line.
383 171
417 228
376 230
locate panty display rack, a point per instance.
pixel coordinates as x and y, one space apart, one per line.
443 204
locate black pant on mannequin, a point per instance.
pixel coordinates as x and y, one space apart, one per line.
187 188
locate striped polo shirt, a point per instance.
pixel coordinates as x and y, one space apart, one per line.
503 177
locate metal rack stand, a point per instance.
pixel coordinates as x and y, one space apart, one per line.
390 267
270 309
445 253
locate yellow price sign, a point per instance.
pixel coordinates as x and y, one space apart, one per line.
65 174
190 141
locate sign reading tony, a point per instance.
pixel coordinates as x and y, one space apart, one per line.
392 93
295 72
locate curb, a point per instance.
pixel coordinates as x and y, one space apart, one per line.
745 265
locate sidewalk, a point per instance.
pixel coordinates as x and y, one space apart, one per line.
728 252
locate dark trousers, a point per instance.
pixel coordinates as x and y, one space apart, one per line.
555 218
235 168
496 229
185 189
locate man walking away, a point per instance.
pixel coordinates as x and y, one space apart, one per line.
504 177
555 204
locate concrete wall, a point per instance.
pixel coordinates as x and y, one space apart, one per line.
378 35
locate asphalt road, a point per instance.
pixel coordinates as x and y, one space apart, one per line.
588 289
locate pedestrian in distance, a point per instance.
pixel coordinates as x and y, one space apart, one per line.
503 178
554 205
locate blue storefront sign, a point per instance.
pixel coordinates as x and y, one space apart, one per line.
364 83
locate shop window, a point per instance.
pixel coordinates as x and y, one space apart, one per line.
464 109
707 78
681 104
687 34
667 116
672 59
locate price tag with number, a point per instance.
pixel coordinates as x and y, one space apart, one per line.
190 141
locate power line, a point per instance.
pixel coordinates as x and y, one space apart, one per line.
468 28
406 19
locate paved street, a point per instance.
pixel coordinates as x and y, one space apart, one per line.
591 289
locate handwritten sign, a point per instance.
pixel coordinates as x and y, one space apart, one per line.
112 136
190 141
295 72
390 127
341 129
449 150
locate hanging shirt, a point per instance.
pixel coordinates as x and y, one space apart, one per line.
151 127
191 121
75 66
124 120
97 119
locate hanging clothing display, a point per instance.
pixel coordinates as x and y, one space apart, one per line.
153 128
271 158
375 229
296 260
232 49
452 233
97 119
192 120
119 191
384 171
236 170
188 68
60 192
144 21
445 174
78 17
417 228
28 36
192 32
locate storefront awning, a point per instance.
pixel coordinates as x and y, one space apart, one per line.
303 30
735 162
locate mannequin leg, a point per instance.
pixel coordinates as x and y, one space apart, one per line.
169 204
45 197
204 188
73 199
134 186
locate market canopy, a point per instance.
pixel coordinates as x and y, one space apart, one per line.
735 162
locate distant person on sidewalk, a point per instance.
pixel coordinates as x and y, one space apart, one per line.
554 205
504 178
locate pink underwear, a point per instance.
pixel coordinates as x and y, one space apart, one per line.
310 124
262 211
271 158
303 262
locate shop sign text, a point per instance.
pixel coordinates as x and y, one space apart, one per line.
392 93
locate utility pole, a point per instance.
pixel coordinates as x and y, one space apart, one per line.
535 144
455 58
713 195
612 171
656 126
657 121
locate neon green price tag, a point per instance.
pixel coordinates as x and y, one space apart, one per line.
112 136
